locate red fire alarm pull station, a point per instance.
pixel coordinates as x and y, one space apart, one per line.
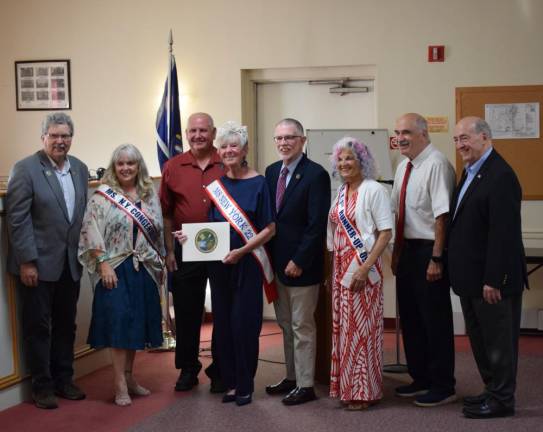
436 53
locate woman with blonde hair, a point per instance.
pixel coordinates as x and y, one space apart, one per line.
121 245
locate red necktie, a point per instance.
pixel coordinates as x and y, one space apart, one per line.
281 186
401 210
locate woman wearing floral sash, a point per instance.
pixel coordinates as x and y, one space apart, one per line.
359 229
121 245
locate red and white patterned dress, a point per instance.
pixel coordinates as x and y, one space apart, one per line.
357 325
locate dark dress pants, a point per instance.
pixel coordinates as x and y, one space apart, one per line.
493 331
237 321
49 312
426 319
189 291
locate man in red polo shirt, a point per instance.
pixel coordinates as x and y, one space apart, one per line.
184 200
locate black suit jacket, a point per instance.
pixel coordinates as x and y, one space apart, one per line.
484 243
301 221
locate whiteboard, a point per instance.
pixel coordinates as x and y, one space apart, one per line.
320 143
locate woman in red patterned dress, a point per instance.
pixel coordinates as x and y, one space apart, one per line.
359 228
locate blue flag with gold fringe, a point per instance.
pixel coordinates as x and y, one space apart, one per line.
168 119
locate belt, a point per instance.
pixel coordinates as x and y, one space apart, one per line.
418 242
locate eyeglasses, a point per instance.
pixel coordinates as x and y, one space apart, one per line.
63 137
286 138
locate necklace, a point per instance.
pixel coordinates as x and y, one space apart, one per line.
132 195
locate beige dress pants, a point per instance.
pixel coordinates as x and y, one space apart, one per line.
295 312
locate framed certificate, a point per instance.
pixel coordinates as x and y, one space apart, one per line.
43 85
208 241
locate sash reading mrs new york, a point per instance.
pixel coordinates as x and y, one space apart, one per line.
354 236
240 222
138 216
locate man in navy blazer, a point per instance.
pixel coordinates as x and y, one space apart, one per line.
301 189
487 266
45 202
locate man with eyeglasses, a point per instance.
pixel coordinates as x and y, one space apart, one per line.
487 265
45 203
301 189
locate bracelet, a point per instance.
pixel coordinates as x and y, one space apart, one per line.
437 259
100 259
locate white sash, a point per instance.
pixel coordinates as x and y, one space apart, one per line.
353 235
240 222
137 215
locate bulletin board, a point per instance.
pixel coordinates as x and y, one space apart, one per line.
525 155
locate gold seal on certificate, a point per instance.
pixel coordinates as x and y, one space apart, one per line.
206 241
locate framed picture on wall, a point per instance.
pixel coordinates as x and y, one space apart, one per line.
43 85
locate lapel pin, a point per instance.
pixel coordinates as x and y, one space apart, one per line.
479 176
47 173
298 176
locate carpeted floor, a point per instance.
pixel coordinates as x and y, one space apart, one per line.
198 410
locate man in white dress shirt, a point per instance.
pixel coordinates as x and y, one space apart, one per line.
421 196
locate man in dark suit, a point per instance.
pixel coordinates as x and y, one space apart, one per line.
46 199
301 189
487 265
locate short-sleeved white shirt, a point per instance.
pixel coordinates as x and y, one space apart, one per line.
428 193
372 213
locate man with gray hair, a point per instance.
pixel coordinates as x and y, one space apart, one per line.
301 189
487 265
421 194
45 203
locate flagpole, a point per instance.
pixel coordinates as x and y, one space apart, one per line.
167 324
169 109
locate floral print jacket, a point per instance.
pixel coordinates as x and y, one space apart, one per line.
108 229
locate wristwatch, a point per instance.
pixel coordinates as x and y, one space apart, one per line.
100 259
437 259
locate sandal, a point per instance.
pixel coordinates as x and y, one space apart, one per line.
136 390
357 406
133 387
122 399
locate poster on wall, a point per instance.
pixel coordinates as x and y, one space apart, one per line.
43 85
514 120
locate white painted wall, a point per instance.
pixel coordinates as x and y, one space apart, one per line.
314 106
118 50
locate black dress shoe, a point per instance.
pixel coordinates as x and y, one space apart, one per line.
282 387
244 400
488 409
229 398
475 400
217 385
299 396
186 381
45 399
70 391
